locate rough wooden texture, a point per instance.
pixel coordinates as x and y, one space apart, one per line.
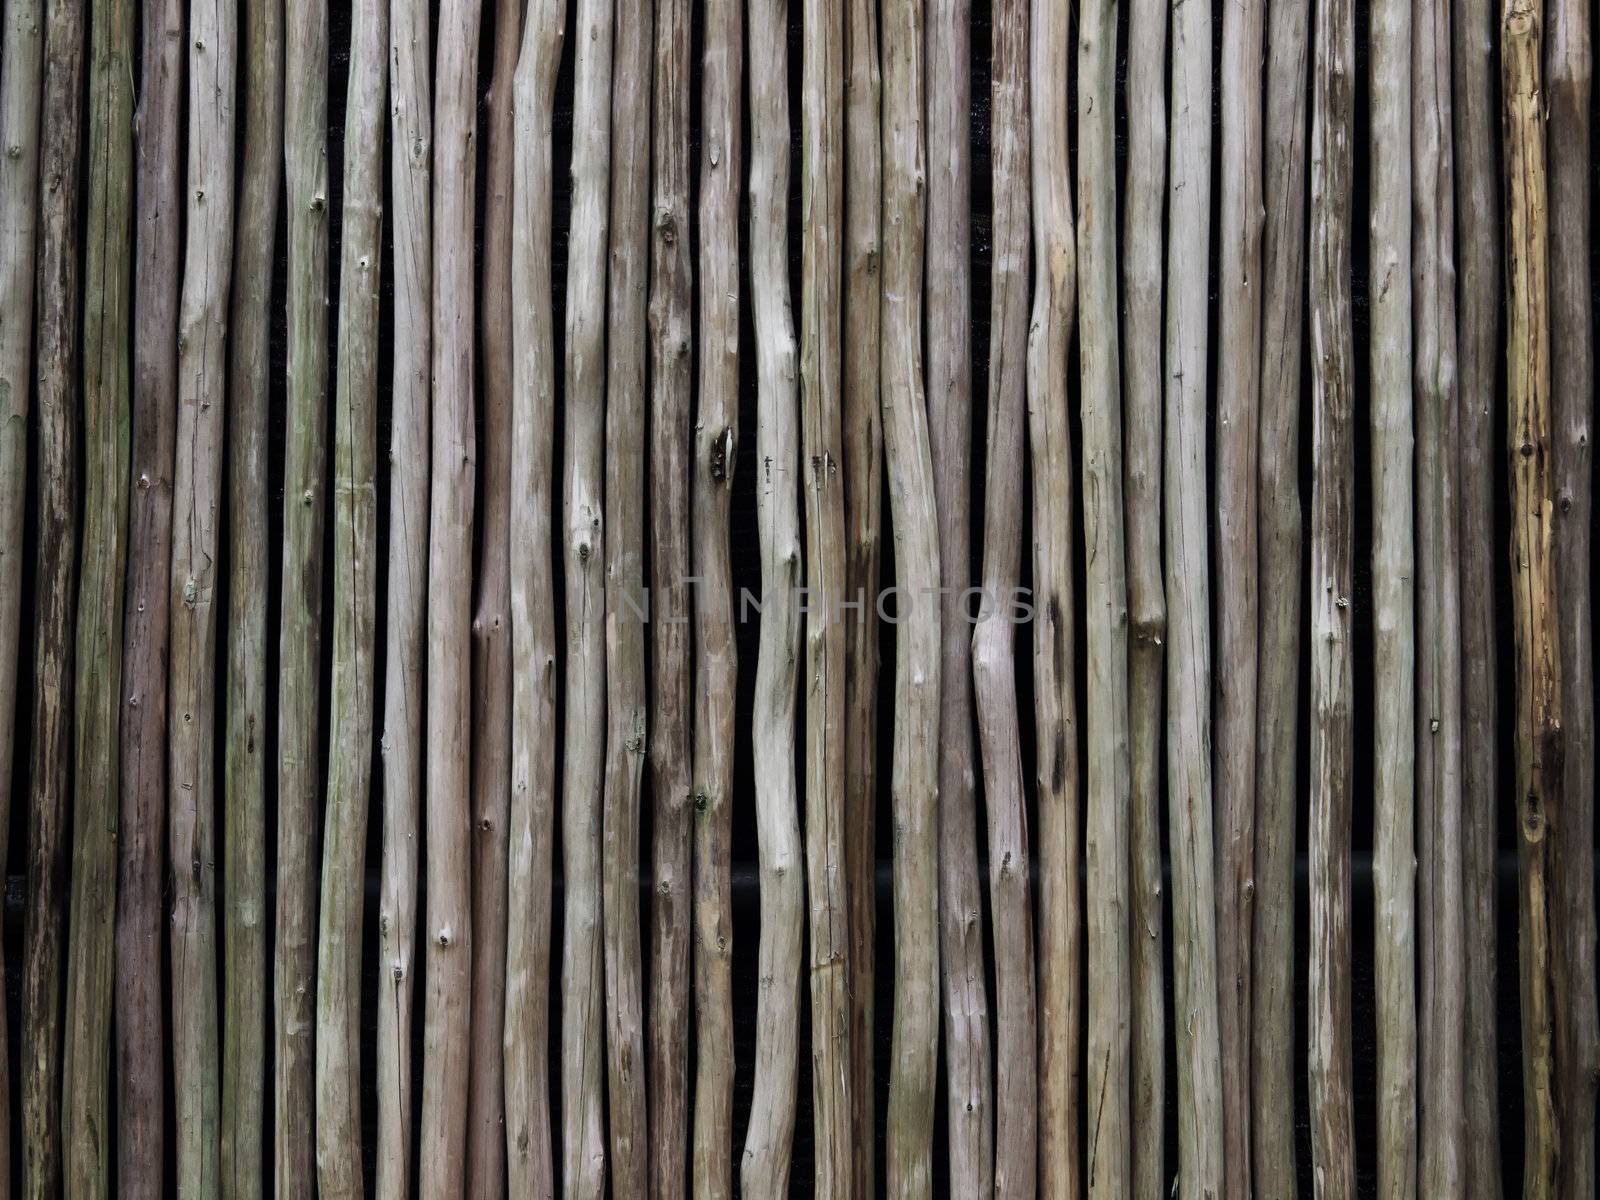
994 636
491 639
405 664
448 821
355 566
1280 544
626 599
914 1055
1189 678
1569 61
86 1076
55 582
530 1166
1478 298
1529 443
671 689
300 604
1332 570
863 495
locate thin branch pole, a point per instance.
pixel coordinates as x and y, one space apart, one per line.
914 1056
764 1171
86 1077
1571 68
1478 294
55 580
1106 845
447 1012
822 197
626 600
355 542
1332 578
994 637
244 874
672 694
300 606
1539 736
531 1169
1189 677
491 643
1280 547
1142 261
405 665
863 499
1441 925
969 1073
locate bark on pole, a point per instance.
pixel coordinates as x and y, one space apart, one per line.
1441 923
1332 576
491 642
1530 435
672 693
764 1171
55 581
1571 67
1106 846
1143 223
969 1073
355 544
915 1052
1478 299
405 650
530 1166
863 491
994 636
1055 705
715 457
626 600
300 605
447 1011
85 1099
827 817
583 1134
1280 546
244 853
1189 688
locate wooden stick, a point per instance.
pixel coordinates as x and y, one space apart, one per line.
715 459
411 193
85 1099
969 1083
994 636
863 495
822 197
764 1171
1283 263
1332 577
1568 55
244 980
300 606
355 540
1106 845
1441 924
1478 295
671 697
447 1012
626 600
1055 704
914 1056
1539 737
531 1169
55 581
491 643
